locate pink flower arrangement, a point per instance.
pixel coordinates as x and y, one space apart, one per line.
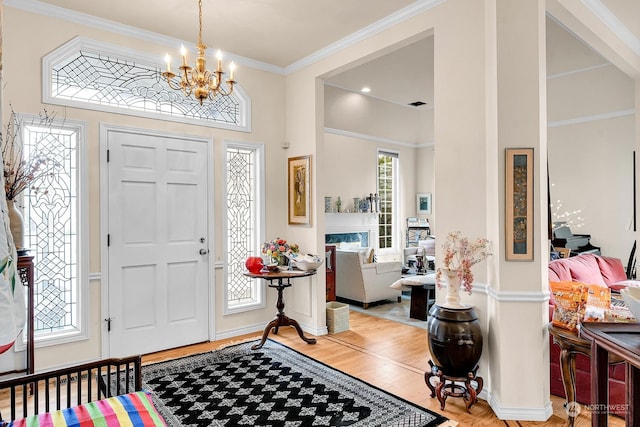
460 255
278 247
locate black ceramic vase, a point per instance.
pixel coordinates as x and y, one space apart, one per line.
455 339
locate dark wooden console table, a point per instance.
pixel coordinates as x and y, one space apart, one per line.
282 280
571 344
25 273
623 341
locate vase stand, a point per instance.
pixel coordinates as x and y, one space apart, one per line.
452 386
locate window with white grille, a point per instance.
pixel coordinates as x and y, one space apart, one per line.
387 191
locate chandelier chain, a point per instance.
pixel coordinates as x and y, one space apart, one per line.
199 81
200 20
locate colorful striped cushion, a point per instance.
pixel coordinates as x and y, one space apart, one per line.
133 409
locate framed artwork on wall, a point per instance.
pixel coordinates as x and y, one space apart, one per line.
519 204
423 203
299 180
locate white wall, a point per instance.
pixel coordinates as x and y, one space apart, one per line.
361 125
591 144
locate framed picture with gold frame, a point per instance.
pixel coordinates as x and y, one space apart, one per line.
299 190
519 204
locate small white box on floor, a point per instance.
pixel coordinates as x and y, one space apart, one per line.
337 317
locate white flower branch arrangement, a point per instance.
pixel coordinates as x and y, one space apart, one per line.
21 171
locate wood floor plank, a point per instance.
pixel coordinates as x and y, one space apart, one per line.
394 357
386 354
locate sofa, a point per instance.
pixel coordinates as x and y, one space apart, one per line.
590 269
359 278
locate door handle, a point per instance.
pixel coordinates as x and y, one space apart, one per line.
204 251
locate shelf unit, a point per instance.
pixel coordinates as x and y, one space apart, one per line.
414 234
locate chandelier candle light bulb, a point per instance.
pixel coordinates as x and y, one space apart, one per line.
198 81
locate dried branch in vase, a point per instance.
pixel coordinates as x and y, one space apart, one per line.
24 165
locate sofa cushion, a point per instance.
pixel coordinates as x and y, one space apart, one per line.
584 268
611 269
559 271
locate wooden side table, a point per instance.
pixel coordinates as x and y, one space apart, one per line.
571 344
282 280
423 293
621 340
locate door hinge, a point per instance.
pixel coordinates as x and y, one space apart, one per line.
108 239
108 320
108 155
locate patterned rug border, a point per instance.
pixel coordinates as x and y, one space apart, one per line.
233 350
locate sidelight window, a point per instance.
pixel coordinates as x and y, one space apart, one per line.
55 213
244 223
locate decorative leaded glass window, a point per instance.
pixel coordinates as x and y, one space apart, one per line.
54 233
244 214
88 74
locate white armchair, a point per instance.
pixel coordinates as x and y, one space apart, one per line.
364 282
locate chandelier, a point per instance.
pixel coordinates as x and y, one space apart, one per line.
198 81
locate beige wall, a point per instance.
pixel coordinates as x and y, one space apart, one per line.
490 93
27 38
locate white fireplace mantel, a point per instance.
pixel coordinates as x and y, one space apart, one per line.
353 223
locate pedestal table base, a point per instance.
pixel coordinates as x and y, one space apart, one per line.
451 386
281 319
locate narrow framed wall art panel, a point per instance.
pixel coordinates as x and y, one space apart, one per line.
519 204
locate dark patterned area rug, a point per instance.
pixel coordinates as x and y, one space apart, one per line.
273 386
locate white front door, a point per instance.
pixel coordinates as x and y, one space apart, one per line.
157 242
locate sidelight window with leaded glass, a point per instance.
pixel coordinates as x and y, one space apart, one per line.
244 222
54 221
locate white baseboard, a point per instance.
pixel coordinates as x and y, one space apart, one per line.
520 413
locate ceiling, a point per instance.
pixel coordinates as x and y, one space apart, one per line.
283 33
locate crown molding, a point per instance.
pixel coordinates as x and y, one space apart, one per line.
378 139
579 70
42 8
593 118
387 22
614 24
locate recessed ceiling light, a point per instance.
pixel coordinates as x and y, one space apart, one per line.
365 89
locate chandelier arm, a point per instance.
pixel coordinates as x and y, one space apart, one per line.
220 90
169 77
198 81
172 85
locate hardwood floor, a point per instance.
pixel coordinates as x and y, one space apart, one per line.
394 360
